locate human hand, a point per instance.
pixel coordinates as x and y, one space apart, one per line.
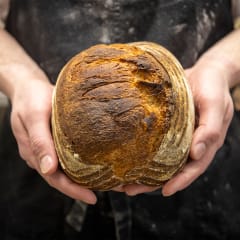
210 87
30 120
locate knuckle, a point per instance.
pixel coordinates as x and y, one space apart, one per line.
209 98
213 136
37 146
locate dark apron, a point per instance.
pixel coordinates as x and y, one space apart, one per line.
52 32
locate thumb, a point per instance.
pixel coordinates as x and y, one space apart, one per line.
42 147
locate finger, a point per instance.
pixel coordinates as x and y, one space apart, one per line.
208 132
195 168
42 146
189 174
61 182
118 189
134 189
22 139
207 139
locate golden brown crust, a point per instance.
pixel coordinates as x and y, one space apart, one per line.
122 113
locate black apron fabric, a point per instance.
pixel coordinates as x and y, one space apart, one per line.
52 32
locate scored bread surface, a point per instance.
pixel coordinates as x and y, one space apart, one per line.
122 113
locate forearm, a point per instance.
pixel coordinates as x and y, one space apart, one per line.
15 65
225 55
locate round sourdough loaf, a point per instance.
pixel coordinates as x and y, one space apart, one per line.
122 113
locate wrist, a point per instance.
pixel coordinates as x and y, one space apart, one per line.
15 76
225 55
229 69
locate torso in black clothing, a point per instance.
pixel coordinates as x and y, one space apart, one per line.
53 31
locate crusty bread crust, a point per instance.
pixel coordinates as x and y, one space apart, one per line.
122 113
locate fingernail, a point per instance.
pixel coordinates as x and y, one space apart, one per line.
131 193
169 193
92 201
200 150
45 164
